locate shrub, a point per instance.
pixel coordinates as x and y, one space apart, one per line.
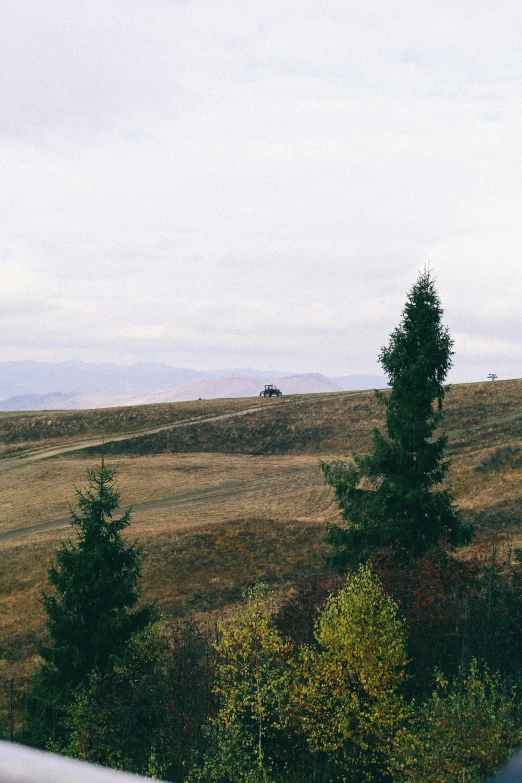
247 739
296 617
146 715
457 609
501 458
460 733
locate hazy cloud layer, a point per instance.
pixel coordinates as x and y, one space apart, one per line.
233 183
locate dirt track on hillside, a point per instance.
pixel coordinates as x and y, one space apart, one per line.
54 451
196 496
38 453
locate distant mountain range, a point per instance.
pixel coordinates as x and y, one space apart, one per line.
76 385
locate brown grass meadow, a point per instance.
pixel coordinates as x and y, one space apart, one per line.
217 508
20 431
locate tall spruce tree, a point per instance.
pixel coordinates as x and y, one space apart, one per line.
389 497
91 610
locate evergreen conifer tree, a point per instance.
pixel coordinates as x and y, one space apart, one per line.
91 611
390 497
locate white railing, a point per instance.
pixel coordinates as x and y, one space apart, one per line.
19 764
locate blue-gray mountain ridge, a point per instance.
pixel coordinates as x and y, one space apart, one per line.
29 385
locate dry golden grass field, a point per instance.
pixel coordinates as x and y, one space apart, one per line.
221 504
22 431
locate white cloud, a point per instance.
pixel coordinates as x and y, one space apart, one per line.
191 181
18 280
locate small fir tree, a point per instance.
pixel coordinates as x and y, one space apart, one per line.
388 498
91 611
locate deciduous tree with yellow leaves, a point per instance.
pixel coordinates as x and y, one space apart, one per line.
348 697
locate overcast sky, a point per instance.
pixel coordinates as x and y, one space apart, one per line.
257 182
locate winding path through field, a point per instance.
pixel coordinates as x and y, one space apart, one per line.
31 455
195 496
37 453
198 496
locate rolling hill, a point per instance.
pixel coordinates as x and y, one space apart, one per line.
227 492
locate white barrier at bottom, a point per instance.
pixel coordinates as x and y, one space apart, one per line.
19 764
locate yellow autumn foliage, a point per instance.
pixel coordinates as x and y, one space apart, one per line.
346 692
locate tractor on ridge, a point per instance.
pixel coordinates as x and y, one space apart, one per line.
271 391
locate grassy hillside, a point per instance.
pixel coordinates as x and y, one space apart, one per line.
478 415
311 424
19 431
210 525
304 425
220 505
186 572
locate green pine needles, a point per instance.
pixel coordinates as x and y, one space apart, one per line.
91 610
390 497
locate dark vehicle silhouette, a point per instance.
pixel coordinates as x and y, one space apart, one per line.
271 391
